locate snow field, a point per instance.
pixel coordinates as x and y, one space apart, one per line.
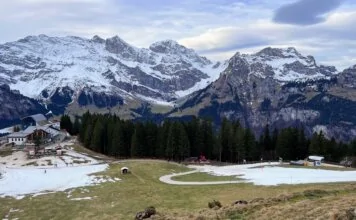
22 176
17 182
267 174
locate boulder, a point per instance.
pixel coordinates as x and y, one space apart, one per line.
240 202
149 211
351 214
214 204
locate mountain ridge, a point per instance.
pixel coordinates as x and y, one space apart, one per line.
276 86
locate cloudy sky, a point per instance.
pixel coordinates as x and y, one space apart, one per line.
215 28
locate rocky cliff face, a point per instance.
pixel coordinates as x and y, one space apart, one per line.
15 106
59 71
279 87
347 78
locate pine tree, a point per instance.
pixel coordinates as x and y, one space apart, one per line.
76 126
88 133
138 141
302 148
135 145
193 135
317 144
251 148
224 139
151 139
172 141
96 143
128 130
118 141
86 118
282 144
209 138
66 123
199 143
240 144
274 143
267 142
110 135
183 146
231 145
162 139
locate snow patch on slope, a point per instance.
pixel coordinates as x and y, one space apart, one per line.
36 180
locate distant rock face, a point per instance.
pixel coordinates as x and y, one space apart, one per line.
15 106
279 87
347 78
58 70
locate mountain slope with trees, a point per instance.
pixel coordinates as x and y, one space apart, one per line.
176 140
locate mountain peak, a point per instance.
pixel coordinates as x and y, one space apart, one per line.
98 39
116 39
167 46
278 52
117 45
167 42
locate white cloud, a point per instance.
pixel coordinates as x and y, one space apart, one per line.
216 29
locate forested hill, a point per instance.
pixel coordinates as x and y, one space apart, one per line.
176 140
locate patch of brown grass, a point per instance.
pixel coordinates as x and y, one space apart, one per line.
5 153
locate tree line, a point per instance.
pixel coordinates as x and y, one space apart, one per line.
177 140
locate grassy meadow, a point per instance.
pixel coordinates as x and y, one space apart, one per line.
141 188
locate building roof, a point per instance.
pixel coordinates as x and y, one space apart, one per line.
45 128
37 117
30 129
316 158
17 135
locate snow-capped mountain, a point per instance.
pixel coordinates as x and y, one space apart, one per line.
66 69
282 88
285 65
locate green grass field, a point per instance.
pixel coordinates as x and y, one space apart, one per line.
203 177
141 188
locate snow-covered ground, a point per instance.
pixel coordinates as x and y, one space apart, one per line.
274 175
22 176
17 182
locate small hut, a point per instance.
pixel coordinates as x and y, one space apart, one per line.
316 160
124 170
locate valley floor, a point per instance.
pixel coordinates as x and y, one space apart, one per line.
94 188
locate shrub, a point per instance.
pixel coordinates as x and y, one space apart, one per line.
214 204
150 210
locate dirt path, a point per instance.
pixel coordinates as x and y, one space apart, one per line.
168 179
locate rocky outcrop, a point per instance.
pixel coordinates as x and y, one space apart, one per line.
347 78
